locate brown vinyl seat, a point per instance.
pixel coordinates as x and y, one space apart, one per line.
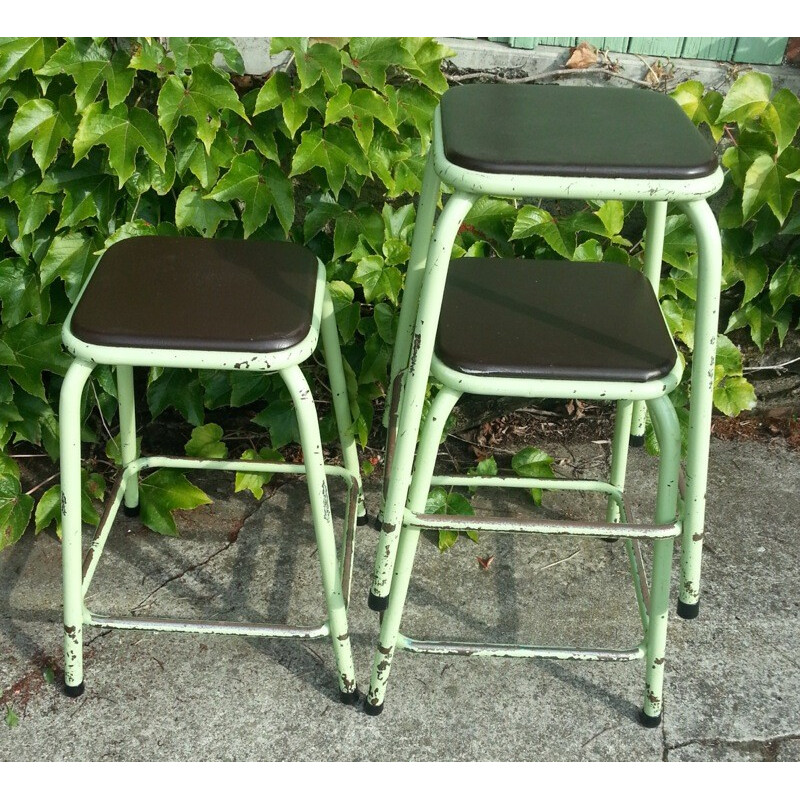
572 131
553 320
182 293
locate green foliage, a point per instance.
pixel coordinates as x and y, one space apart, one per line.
533 463
440 501
99 142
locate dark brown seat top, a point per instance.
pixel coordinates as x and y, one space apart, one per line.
184 293
552 319
572 131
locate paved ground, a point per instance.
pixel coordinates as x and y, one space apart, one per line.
730 681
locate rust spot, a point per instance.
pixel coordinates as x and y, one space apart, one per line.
659 661
698 537
387 651
344 637
414 348
348 683
388 527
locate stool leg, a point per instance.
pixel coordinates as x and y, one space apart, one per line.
665 423
341 404
423 470
709 270
323 528
127 435
656 212
423 229
619 454
69 420
413 395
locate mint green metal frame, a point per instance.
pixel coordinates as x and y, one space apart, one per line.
408 479
335 570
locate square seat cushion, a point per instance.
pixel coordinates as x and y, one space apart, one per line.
183 293
572 131
564 320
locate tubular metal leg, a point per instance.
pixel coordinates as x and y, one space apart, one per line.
423 230
619 454
413 395
423 470
656 212
127 434
667 429
323 528
709 270
341 405
71 547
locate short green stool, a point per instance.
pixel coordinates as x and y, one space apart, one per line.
205 304
552 330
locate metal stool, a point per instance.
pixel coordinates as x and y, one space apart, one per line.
205 304
554 330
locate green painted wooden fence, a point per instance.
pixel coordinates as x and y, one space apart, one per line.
748 50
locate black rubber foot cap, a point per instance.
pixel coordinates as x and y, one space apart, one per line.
74 691
648 721
350 698
610 539
377 603
377 523
372 710
688 610
637 441
362 519
131 512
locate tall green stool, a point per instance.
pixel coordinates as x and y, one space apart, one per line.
552 330
205 304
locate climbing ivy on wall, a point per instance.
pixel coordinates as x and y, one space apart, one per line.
103 139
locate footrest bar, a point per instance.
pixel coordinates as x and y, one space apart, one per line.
551 484
511 525
516 650
209 626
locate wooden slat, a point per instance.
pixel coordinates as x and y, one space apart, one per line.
524 42
751 50
619 44
559 41
649 46
709 47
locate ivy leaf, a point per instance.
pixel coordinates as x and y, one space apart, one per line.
45 126
364 221
533 463
533 221
33 210
747 98
413 105
93 197
679 240
491 217
255 481
281 421
612 215
198 212
767 183
69 257
426 65
728 357
19 54
334 151
206 442
700 106
260 187
321 60
442 502
205 94
732 394
370 57
15 510
148 54
348 313
785 283
362 106
279 92
124 131
162 493
91 65
386 320
375 364
48 509
590 250
180 389
19 291
782 117
486 467
378 280
36 348
193 51
191 155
